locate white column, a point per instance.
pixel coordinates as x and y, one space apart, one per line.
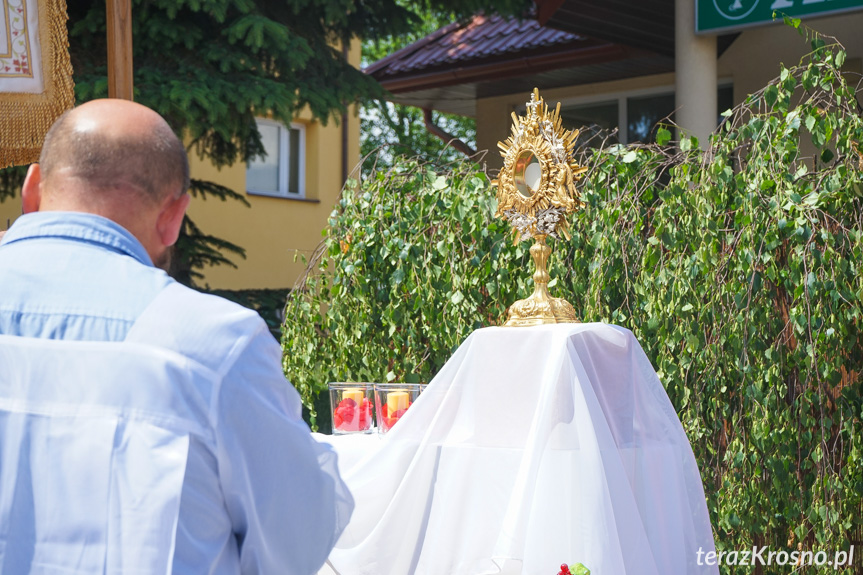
695 74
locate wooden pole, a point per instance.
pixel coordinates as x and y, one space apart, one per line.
119 21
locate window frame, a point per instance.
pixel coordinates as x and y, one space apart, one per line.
284 162
621 97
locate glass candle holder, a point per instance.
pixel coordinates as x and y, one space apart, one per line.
351 407
392 400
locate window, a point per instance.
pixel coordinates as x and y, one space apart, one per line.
636 113
591 119
282 172
642 115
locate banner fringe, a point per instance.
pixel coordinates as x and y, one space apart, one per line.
26 118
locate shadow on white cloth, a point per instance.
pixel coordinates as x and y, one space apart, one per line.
532 447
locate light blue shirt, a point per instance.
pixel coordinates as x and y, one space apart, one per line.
259 495
73 276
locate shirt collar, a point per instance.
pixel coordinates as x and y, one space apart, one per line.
77 226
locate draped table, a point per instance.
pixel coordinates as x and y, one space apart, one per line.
532 447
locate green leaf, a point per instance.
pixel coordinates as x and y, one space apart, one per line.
457 297
793 22
663 136
630 157
771 95
840 58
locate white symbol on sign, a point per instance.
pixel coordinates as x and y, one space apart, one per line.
737 9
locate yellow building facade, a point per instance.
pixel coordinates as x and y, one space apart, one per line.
277 232
10 209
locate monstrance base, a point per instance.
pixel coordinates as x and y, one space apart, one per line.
535 311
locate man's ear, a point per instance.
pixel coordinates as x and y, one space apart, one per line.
171 219
31 192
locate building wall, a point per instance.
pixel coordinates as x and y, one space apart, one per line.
10 209
754 58
277 232
751 61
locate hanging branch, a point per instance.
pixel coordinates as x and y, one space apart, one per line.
446 137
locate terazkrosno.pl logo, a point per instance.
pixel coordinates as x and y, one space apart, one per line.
735 9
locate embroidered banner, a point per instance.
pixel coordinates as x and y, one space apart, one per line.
35 75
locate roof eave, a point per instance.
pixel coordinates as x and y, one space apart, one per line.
504 68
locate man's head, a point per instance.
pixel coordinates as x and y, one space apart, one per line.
119 160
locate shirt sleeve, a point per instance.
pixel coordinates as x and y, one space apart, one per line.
287 503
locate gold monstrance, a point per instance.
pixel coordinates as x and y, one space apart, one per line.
535 191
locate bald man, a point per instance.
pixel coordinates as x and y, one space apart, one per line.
144 427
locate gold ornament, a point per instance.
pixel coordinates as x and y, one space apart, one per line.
535 192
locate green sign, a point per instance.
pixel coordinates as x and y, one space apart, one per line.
730 15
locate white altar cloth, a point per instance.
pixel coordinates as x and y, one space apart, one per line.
532 447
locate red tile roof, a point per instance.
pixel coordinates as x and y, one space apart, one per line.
450 69
479 39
